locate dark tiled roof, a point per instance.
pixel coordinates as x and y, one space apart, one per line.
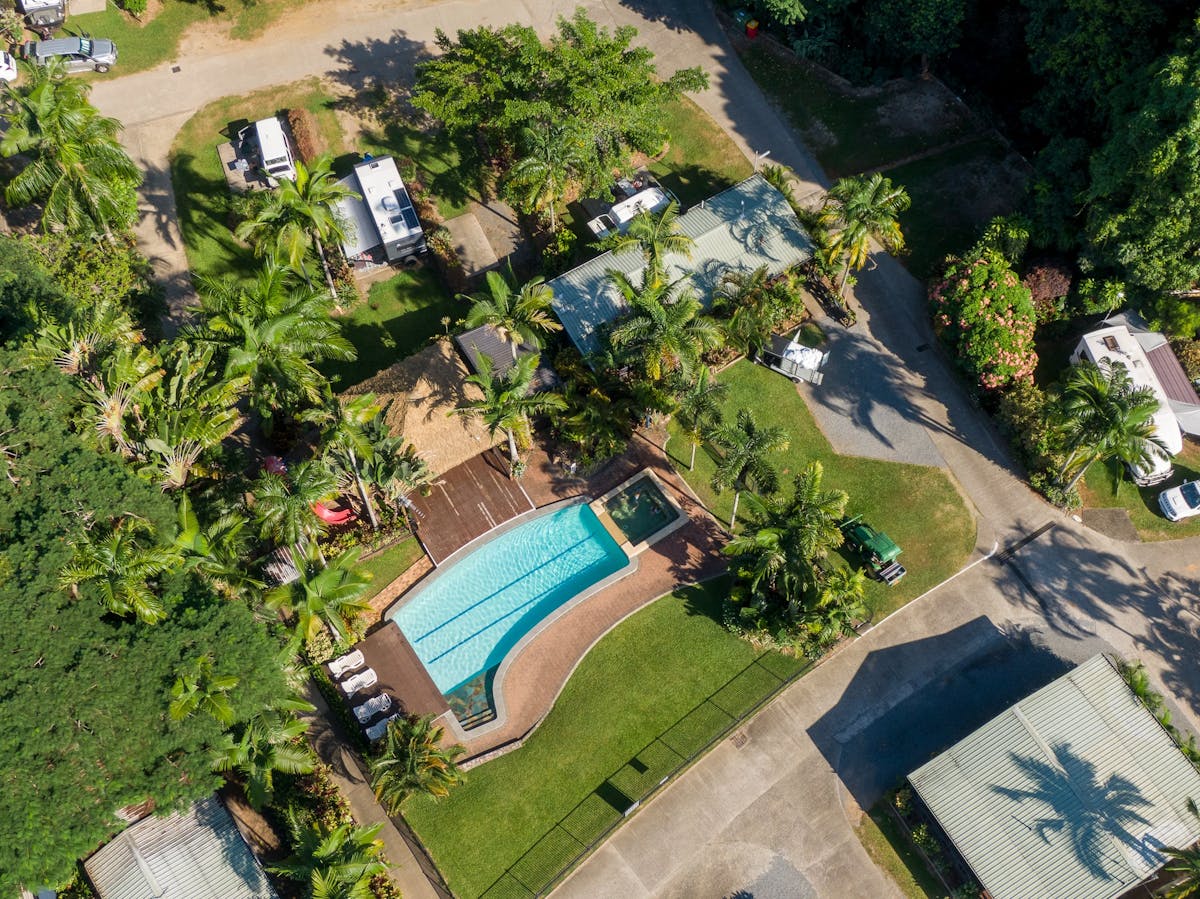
1171 375
486 341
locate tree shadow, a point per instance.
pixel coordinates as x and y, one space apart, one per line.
690 183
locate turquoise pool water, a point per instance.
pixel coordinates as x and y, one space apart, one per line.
477 609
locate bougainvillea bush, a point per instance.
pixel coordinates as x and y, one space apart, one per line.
987 319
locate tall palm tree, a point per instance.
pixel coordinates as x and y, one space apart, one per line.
394 468
553 156
77 166
323 594
123 568
743 464
413 760
665 334
507 402
284 505
699 409
199 689
1103 415
521 317
655 235
345 439
273 333
300 214
857 209
218 552
335 863
268 743
753 305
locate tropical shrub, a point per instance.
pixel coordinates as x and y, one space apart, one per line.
987 319
1049 282
1188 352
136 8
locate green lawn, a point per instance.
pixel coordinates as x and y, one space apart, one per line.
893 853
642 678
1101 488
701 160
390 564
916 506
400 316
439 162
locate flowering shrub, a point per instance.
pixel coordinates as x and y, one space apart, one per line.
986 316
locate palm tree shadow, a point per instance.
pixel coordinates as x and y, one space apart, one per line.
1096 816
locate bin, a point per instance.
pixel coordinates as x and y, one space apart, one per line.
741 16
752 28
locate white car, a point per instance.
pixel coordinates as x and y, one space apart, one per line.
1182 501
8 67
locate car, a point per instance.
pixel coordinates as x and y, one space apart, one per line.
43 16
8 67
1181 502
79 54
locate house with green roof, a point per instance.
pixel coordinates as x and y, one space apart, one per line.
744 227
1072 792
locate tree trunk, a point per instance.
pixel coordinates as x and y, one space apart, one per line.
692 463
733 516
362 491
325 266
553 220
513 458
842 282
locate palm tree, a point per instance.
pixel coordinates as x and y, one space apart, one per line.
519 318
77 166
743 463
665 334
198 689
323 594
1103 415
345 439
753 304
394 468
217 552
857 209
269 742
273 333
413 760
298 215
699 409
1184 864
284 505
335 863
655 235
124 569
553 157
507 402
838 606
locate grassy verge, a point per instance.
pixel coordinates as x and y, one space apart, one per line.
400 316
701 160
892 853
390 564
1103 488
916 505
641 679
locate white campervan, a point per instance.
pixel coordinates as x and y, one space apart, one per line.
274 150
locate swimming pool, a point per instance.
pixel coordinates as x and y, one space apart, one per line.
475 610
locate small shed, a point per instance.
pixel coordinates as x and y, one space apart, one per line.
194 854
486 341
1074 791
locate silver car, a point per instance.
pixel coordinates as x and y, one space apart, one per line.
78 54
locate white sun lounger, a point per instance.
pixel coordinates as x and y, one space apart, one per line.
365 678
377 730
372 707
343 665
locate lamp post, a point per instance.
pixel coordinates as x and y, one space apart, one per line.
759 157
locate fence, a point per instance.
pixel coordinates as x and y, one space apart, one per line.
590 822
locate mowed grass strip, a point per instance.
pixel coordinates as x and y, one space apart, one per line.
917 506
1107 485
642 678
702 160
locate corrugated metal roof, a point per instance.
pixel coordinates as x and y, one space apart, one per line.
1175 382
1068 793
196 854
746 226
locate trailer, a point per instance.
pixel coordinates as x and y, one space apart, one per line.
879 550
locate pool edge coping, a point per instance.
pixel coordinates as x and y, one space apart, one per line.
681 517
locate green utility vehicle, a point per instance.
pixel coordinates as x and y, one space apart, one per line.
876 547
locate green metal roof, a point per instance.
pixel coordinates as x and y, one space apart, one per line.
745 226
1069 793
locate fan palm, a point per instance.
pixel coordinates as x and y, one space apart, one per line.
522 317
345 438
122 567
273 333
323 594
198 689
335 863
300 214
1103 415
857 209
413 760
77 166
507 401
665 334
552 157
745 446
284 505
699 409
655 235
268 743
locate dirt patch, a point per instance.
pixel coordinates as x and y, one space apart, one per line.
921 107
